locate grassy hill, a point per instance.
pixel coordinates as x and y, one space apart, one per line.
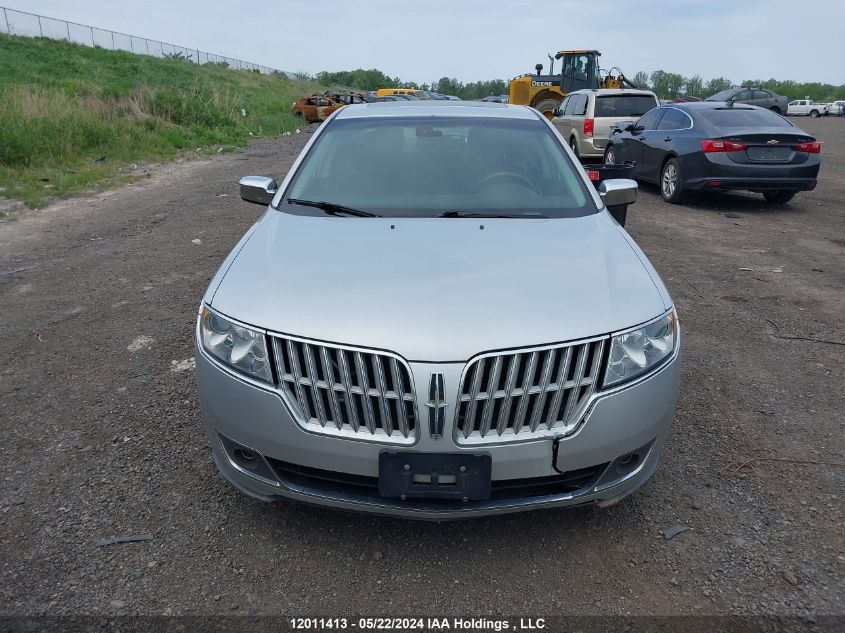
63 107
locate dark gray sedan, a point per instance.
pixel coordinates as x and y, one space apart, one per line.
717 146
753 96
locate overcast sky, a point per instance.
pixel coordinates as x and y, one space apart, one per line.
424 40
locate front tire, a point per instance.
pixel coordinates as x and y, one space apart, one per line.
610 156
671 183
814 114
573 145
548 107
779 197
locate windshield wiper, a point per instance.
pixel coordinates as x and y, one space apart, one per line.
331 208
475 214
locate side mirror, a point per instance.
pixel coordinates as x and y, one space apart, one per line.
617 194
258 189
622 126
618 191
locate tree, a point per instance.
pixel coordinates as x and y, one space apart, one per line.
658 82
716 85
641 80
674 85
694 86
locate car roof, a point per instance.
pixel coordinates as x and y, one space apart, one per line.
437 108
613 91
711 105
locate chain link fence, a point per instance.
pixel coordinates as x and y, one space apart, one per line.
25 24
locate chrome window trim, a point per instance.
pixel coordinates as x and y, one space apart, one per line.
276 388
674 129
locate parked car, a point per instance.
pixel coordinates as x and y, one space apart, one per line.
410 93
586 116
387 98
837 108
316 107
753 96
717 146
806 107
395 335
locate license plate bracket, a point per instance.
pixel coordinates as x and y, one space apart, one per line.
769 153
434 475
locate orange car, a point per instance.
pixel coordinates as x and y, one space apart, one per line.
319 106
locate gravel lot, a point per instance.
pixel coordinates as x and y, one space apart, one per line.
102 435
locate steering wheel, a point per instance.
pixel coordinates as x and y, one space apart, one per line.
511 176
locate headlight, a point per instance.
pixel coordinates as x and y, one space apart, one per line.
638 351
239 347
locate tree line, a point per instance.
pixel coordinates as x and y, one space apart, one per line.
667 85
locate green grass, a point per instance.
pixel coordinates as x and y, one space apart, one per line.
63 106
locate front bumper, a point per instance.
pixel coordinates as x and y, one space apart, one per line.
617 422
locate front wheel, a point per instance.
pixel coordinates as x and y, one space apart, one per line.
610 156
779 197
814 114
548 107
671 184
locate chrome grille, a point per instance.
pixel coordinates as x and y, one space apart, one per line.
513 396
345 391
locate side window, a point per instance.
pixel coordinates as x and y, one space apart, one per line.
650 119
674 119
745 95
562 108
570 104
792 103
580 108
761 94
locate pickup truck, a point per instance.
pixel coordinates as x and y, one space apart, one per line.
835 108
806 107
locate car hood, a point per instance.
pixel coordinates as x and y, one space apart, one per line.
439 289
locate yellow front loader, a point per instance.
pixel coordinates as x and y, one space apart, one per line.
579 69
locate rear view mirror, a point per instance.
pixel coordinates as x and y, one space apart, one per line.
258 189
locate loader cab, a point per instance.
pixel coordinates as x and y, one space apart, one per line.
579 70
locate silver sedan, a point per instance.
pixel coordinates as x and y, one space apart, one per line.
437 317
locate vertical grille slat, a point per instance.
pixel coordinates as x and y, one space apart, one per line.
513 370
544 386
576 381
346 391
519 419
386 414
469 423
400 395
369 415
490 404
328 373
512 395
560 381
313 379
349 401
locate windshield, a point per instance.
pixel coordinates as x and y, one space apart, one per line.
624 105
725 118
721 96
423 167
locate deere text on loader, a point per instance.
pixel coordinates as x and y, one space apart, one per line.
579 69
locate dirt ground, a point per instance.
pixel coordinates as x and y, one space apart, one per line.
102 433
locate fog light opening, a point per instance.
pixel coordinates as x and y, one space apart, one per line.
629 459
246 459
